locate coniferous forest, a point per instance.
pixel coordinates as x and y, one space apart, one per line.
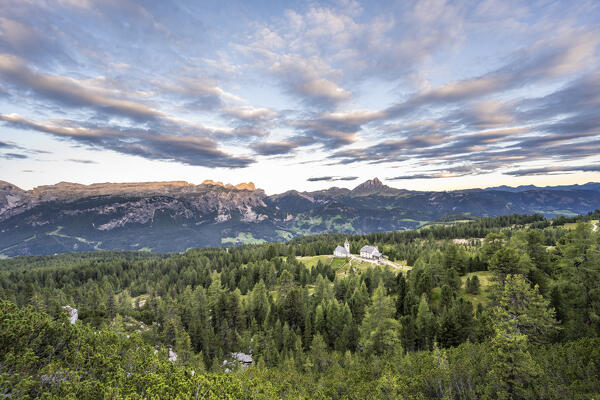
496 308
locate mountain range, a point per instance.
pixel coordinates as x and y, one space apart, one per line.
175 216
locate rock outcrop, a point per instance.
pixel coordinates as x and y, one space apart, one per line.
72 313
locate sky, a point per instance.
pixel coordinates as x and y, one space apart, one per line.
424 94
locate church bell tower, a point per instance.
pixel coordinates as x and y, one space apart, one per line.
347 246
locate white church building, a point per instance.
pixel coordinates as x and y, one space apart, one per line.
342 251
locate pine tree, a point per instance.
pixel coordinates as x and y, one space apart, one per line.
473 285
522 316
426 324
319 354
401 290
358 302
528 312
379 330
509 261
513 371
259 302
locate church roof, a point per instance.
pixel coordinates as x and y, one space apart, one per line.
339 248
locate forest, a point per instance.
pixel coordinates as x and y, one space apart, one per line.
495 308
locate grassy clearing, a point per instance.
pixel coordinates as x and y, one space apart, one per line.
573 225
242 238
485 279
359 267
338 262
311 261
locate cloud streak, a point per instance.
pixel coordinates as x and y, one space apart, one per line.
72 92
557 170
152 145
332 178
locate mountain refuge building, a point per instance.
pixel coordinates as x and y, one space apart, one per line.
342 251
371 252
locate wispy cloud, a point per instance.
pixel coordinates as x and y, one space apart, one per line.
557 170
152 145
13 156
80 161
332 178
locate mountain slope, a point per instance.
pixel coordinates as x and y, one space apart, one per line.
174 216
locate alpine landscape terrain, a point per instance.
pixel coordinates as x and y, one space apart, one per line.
314 200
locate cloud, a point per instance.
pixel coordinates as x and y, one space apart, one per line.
564 54
387 41
38 42
336 129
6 145
282 147
496 134
199 93
476 125
13 156
453 172
557 170
73 92
274 148
79 161
310 79
332 178
249 113
192 150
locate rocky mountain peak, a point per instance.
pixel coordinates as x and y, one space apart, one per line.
369 186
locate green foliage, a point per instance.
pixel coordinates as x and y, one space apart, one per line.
472 285
379 330
525 310
371 333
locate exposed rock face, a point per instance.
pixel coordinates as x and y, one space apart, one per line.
72 313
14 200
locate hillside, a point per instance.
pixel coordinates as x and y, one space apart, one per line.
287 320
175 216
